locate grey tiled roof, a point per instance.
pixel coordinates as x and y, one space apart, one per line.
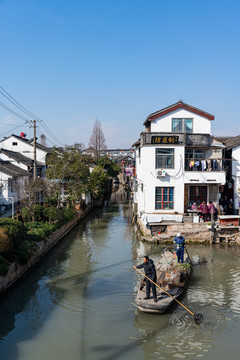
17 156
8 168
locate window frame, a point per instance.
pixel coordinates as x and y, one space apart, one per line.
165 165
162 202
183 125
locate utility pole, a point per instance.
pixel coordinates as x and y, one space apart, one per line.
34 126
34 152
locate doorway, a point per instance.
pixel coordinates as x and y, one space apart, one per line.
198 194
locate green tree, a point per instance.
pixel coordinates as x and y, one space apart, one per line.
68 172
97 182
112 169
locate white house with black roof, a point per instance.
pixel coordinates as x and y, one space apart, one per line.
16 163
178 161
10 174
20 150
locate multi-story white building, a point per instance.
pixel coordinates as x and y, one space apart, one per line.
178 161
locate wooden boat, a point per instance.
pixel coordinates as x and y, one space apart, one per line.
172 276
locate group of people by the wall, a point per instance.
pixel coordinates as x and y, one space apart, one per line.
209 211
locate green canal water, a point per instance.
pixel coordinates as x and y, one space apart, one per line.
79 303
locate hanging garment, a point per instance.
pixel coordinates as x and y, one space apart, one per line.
209 165
214 165
204 165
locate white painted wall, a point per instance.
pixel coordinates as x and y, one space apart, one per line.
147 180
5 191
205 177
201 125
236 175
22 147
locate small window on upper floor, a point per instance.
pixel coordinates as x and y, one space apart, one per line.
182 125
14 143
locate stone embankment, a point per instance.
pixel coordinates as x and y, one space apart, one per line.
193 233
198 233
17 272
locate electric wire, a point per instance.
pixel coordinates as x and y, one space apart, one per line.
47 138
13 112
16 103
10 98
14 128
51 134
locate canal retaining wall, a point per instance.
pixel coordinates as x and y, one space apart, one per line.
199 232
193 232
16 272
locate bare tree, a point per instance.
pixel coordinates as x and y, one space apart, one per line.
97 140
43 139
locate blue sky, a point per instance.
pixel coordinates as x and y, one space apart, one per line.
70 62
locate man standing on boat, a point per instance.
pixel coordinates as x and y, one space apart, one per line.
179 243
150 272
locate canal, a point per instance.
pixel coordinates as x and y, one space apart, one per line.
79 303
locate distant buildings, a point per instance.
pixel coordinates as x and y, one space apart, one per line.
111 153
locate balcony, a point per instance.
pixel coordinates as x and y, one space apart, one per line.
209 165
205 177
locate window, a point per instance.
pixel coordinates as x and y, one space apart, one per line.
182 125
164 158
164 198
193 154
14 143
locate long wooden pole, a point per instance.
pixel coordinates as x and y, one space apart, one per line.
165 291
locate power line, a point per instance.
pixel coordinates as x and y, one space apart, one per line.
48 140
9 124
17 104
26 111
51 134
13 112
10 130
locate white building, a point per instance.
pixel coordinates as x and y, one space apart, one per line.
178 161
16 162
232 166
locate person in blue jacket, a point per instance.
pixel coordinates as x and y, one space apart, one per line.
179 243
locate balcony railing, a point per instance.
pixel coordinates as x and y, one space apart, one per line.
203 165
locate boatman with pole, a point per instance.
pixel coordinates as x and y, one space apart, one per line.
179 243
150 272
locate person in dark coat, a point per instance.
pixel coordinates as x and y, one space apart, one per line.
150 272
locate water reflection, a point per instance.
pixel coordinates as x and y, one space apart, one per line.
79 304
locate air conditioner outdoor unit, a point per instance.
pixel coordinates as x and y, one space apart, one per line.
160 173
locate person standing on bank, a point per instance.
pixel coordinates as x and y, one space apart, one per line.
150 272
179 243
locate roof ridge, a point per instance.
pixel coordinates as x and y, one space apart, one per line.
175 106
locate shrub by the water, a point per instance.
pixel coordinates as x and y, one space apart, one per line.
24 251
50 214
41 231
15 229
6 244
33 213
